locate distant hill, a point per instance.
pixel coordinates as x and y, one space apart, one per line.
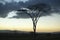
15 31
10 31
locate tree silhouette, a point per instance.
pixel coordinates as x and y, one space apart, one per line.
35 12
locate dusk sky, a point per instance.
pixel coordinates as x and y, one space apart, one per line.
48 23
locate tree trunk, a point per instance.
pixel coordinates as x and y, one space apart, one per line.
34 28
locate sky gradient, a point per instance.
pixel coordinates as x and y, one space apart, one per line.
47 23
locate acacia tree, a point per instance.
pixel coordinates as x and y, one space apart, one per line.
35 12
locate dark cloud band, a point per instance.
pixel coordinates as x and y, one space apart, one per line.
8 7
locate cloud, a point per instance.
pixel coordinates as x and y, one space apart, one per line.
27 13
8 7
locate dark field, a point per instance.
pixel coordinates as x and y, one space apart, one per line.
29 36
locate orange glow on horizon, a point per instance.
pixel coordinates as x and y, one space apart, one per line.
30 29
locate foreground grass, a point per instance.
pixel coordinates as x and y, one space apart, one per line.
29 36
